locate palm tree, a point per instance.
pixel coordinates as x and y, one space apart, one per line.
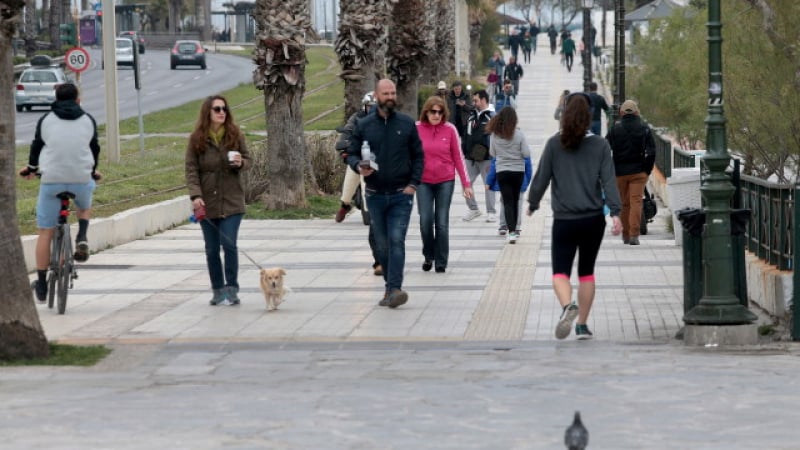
280 58
21 333
30 28
409 41
360 44
445 55
477 16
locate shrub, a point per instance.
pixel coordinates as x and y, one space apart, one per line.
327 165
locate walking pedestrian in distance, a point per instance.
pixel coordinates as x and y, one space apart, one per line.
634 156
215 158
599 106
514 73
443 160
509 149
552 34
580 168
562 100
394 142
459 105
476 152
568 51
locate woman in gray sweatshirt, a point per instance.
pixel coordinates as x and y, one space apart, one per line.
580 168
509 149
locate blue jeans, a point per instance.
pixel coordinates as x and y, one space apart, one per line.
596 125
222 232
433 204
389 215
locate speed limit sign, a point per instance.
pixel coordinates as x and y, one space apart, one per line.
77 59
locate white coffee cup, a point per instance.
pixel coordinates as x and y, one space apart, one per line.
232 156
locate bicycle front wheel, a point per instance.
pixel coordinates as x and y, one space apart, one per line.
66 267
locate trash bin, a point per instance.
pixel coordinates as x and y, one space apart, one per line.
692 221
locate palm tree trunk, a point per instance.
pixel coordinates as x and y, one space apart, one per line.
407 52
21 333
280 57
360 45
30 28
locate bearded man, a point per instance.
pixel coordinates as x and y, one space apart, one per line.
391 179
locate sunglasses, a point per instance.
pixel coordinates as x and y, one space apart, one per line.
219 109
437 112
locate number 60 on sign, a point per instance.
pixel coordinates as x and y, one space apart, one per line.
77 59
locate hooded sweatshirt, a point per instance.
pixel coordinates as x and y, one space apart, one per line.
65 148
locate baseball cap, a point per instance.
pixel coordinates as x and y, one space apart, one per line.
629 107
441 85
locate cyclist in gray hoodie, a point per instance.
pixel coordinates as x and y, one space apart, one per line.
64 152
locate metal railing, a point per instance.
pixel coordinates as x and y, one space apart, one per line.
682 158
770 233
663 153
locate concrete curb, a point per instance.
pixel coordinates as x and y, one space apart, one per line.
123 227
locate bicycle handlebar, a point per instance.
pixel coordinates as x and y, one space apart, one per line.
27 172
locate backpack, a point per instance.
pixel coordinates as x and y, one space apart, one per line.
478 148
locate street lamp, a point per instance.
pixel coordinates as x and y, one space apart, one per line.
719 305
587 43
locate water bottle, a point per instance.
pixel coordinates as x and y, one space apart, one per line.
366 152
367 157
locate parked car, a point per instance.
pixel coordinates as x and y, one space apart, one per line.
187 53
37 84
136 37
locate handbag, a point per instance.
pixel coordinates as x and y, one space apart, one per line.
478 152
649 208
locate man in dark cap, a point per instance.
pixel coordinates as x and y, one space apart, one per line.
634 153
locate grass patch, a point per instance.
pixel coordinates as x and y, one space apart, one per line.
319 207
65 355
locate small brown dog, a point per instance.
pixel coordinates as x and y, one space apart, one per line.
272 286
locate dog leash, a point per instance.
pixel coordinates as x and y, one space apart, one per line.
208 221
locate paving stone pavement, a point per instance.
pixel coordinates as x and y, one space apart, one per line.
470 362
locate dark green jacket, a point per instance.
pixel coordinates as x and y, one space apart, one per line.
209 176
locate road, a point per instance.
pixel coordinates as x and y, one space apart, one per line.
161 87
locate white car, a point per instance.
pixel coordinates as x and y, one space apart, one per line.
124 51
37 84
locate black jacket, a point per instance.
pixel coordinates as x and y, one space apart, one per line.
459 114
397 148
477 133
599 105
513 72
633 146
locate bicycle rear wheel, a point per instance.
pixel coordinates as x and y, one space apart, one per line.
65 272
55 264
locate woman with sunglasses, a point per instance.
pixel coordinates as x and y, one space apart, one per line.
443 158
579 166
215 157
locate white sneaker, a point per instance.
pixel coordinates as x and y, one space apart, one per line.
491 217
470 215
502 231
512 238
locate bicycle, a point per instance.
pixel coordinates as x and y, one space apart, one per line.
62 271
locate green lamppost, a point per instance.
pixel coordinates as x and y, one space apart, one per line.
719 305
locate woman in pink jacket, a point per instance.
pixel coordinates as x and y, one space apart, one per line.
443 158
